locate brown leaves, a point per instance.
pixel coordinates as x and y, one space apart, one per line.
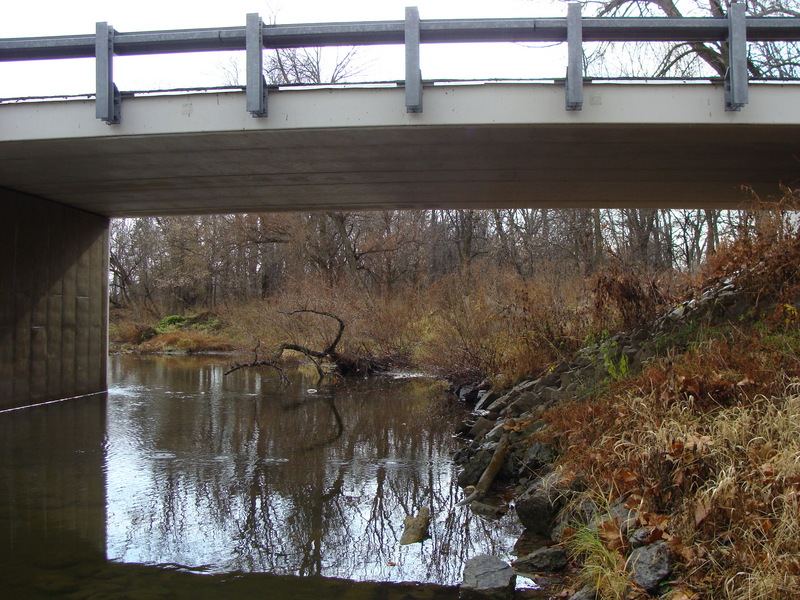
691 442
516 424
612 537
701 512
683 593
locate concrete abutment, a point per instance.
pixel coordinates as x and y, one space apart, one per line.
53 301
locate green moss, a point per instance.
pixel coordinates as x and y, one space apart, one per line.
172 323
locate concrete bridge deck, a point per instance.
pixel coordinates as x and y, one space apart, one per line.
480 145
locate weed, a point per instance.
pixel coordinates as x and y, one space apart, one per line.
603 566
172 322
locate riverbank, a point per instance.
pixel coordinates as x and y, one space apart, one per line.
633 438
663 462
482 322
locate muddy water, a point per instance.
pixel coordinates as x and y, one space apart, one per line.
183 483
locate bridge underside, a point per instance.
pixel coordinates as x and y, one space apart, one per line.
63 173
474 146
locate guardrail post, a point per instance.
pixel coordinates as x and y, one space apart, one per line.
107 98
736 76
256 84
413 72
574 84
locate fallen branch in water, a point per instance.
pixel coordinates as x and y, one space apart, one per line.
315 355
491 471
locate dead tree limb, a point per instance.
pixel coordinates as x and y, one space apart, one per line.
315 355
492 469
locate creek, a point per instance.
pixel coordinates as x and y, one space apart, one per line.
181 482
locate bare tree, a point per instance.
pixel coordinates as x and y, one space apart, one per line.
780 60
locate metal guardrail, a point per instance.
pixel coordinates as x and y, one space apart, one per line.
255 36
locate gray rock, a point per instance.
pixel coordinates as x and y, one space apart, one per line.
539 506
487 510
475 467
566 378
537 456
551 395
527 385
650 565
587 592
563 366
639 537
487 577
495 433
527 401
481 427
542 560
499 404
550 379
582 362
626 519
462 455
486 399
469 393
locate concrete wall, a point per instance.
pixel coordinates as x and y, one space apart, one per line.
53 301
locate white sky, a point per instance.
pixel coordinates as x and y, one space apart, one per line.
60 17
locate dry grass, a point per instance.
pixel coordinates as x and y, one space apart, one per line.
705 442
725 482
482 323
188 341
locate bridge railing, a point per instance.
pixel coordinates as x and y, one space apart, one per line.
736 29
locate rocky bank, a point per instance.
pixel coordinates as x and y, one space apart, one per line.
546 495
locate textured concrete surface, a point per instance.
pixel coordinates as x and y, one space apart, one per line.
53 301
475 146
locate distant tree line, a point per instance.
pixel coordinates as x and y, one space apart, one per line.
173 263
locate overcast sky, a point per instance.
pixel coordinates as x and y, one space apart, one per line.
60 17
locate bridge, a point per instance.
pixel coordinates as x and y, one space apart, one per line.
67 166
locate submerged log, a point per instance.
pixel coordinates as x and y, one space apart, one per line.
491 471
415 529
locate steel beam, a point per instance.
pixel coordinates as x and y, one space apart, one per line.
574 85
256 84
413 72
597 29
107 98
736 76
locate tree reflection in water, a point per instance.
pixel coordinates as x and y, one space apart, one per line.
241 474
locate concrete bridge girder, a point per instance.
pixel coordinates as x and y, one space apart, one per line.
667 145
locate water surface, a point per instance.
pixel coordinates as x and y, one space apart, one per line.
181 470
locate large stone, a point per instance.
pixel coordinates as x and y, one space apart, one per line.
543 560
488 510
486 399
551 395
527 401
499 404
551 378
536 457
476 466
495 433
650 565
481 427
487 577
538 507
415 529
